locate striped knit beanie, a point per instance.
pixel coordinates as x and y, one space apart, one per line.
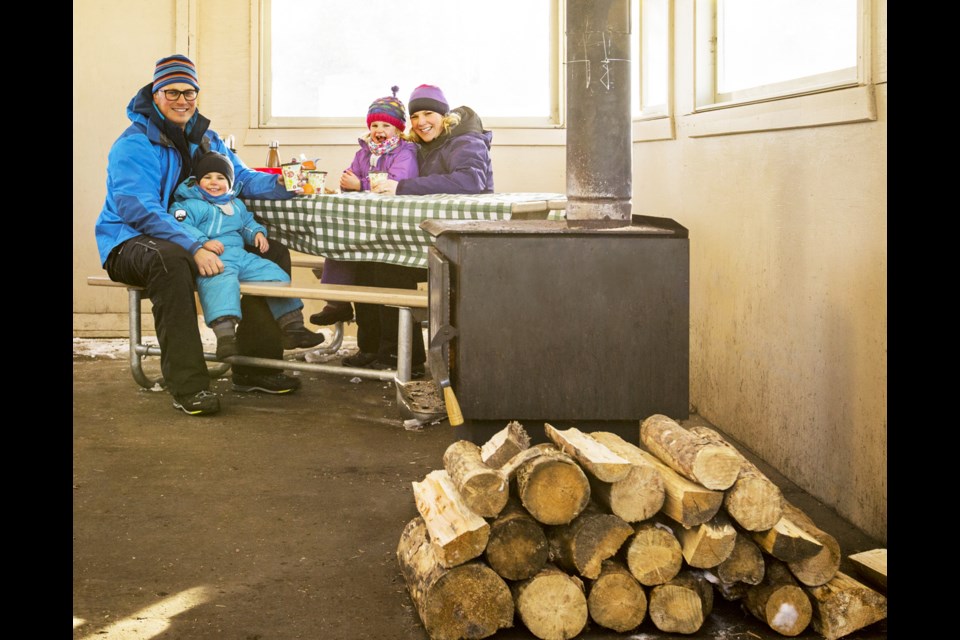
175 68
389 110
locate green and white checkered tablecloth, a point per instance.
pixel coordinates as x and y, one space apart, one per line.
364 226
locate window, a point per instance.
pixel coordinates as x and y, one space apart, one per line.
763 65
750 50
324 61
651 53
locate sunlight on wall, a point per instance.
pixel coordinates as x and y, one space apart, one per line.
151 621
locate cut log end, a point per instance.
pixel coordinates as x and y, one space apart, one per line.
717 467
788 610
470 601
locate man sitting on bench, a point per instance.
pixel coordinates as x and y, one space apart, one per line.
141 244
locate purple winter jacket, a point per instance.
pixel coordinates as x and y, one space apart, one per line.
399 164
455 162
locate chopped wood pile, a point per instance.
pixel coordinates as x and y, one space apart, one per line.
591 529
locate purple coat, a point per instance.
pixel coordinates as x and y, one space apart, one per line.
455 162
399 164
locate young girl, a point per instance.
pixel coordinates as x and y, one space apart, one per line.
384 148
211 213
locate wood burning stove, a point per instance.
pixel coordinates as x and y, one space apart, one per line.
581 326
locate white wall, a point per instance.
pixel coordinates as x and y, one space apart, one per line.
787 240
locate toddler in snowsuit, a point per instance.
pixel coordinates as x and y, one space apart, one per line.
207 206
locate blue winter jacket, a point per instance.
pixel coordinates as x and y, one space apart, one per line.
455 162
143 171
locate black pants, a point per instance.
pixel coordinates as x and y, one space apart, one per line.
397 277
168 274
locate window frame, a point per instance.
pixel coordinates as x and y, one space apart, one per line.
821 100
342 130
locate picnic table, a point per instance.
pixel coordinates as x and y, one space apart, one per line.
363 226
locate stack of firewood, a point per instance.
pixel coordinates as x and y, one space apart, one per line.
590 526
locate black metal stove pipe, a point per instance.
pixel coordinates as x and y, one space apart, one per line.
599 160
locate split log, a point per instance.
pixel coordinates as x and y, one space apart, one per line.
690 455
582 545
653 553
509 468
844 605
780 601
745 563
504 444
459 533
552 486
753 500
681 605
484 490
616 600
466 601
595 458
872 566
787 541
551 604
641 493
684 501
820 567
517 548
708 544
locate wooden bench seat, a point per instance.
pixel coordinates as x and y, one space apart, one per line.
406 300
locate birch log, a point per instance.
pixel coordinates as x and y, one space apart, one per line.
780 601
753 500
595 458
552 486
459 534
692 456
463 602
484 490
616 600
504 444
551 604
641 493
653 553
681 605
517 548
844 605
582 545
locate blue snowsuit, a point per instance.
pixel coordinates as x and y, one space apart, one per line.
225 218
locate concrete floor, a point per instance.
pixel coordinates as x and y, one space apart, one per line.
278 518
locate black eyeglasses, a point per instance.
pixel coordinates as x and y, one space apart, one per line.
174 94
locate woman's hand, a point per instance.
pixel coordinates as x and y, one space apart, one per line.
388 187
349 181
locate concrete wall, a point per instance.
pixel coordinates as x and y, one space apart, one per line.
787 239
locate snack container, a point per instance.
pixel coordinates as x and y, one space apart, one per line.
292 178
316 179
